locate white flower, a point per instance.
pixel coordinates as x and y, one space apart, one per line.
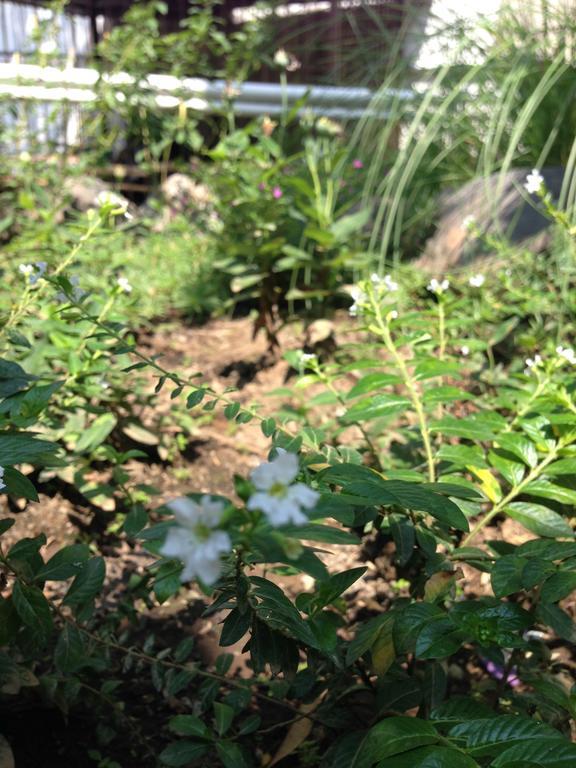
469 222
2 483
33 272
359 297
124 285
386 282
477 281
465 350
47 47
281 500
25 157
567 354
307 357
434 286
534 182
194 540
393 315
533 362
286 60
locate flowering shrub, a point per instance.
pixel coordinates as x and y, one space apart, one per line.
404 442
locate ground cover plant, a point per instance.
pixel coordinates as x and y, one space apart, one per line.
431 425
352 547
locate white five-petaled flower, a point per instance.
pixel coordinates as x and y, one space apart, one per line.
124 285
195 541
477 281
386 281
465 350
2 483
277 495
438 287
567 353
534 182
533 362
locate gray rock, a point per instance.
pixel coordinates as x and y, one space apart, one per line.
182 194
499 205
88 192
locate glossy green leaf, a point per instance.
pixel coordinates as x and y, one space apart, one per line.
539 519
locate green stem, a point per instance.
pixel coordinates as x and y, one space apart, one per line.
514 492
410 384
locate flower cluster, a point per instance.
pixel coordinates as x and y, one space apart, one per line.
385 282
534 182
2 483
33 272
438 287
277 495
567 353
533 362
195 540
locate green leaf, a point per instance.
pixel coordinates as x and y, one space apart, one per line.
19 447
231 410
459 709
519 446
445 394
463 455
493 736
346 226
5 524
87 583
66 563
13 378
366 635
551 491
19 485
549 753
372 382
538 519
276 610
224 715
555 617
235 626
562 467
268 427
96 433
470 428
328 534
396 735
430 757
70 653
231 755
9 621
507 575
195 398
33 608
182 753
438 639
402 530
558 586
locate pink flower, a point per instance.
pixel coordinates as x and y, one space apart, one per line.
357 164
277 193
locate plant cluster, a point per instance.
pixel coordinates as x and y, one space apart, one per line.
421 437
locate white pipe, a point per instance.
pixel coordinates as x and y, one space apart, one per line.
30 81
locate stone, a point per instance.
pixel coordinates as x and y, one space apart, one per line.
499 206
86 192
182 194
